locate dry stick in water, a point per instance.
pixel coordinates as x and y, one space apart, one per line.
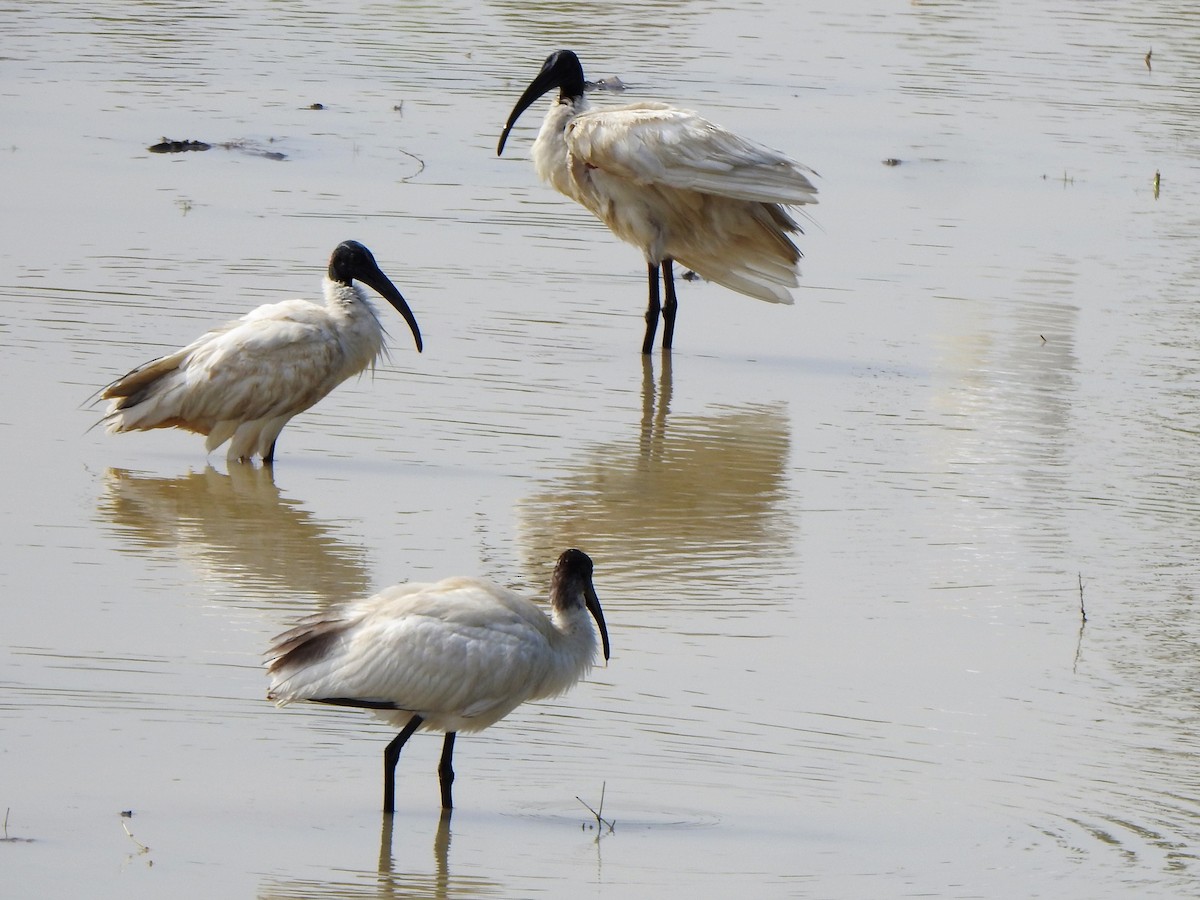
12 840
142 848
1082 623
600 820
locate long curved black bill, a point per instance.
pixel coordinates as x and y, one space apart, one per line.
593 605
384 287
561 69
532 94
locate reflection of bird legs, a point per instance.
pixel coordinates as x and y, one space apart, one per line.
245 475
654 407
385 850
441 854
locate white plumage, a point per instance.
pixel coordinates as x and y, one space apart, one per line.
673 184
243 382
454 655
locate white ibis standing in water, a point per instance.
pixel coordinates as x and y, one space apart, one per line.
245 380
673 184
455 655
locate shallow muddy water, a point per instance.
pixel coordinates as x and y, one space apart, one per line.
844 548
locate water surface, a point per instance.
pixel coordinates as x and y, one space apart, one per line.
842 546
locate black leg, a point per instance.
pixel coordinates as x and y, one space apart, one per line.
446 770
668 309
270 457
651 309
391 756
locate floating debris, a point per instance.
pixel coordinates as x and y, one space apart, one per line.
1157 180
614 84
315 106
249 147
166 145
1066 179
892 161
1148 55
142 848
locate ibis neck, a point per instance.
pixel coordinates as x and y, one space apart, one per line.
575 650
550 156
361 335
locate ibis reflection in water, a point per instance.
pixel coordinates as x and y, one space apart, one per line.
455 655
243 382
673 184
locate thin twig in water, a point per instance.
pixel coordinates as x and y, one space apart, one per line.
142 848
1082 623
12 840
420 161
600 820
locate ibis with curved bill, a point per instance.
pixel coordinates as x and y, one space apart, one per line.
450 656
244 381
673 184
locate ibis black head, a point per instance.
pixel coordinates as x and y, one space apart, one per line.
561 70
352 261
572 578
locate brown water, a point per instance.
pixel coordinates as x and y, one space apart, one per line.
841 546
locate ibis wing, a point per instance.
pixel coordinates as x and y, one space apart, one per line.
446 649
277 360
652 143
264 366
132 387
